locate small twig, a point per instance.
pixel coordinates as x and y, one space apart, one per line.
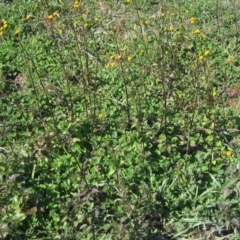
120 103
219 129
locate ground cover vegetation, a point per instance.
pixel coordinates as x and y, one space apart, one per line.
119 119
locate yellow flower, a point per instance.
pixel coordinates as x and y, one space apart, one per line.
96 19
119 57
201 57
147 22
17 31
5 24
229 153
100 115
166 52
204 36
76 4
36 6
230 60
128 1
1 33
129 58
111 57
85 25
206 53
192 20
60 31
124 48
50 17
171 28
214 94
55 14
28 17
113 64
197 31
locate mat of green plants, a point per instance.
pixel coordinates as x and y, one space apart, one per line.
119 119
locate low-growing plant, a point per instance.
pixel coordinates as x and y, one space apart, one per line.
119 120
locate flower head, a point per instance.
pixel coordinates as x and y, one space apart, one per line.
230 60
197 31
229 153
5 24
50 16
129 58
207 52
112 57
17 31
119 57
113 64
76 4
192 20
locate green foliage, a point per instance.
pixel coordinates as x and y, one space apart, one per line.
119 120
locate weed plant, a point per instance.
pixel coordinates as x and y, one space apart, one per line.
119 119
